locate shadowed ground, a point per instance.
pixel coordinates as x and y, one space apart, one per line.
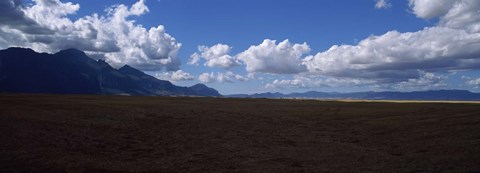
68 133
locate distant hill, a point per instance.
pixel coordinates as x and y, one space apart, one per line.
201 88
72 72
416 95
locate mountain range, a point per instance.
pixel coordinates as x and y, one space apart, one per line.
72 72
415 95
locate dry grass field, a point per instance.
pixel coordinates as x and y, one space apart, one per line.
75 133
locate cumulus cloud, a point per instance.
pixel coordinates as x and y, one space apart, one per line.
430 8
424 82
270 57
226 77
12 16
382 4
463 15
469 81
402 61
299 82
458 14
395 57
215 56
178 75
114 36
267 57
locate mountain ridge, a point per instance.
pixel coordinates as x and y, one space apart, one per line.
371 95
71 71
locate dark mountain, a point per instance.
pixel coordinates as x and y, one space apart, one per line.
72 72
206 91
416 95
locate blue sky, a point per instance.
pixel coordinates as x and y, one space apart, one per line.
254 46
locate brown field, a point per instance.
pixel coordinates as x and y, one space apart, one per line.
72 133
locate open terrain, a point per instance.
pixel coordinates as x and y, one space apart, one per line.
80 133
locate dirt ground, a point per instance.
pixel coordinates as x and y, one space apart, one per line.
74 133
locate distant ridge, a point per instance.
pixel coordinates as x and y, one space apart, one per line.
71 71
415 95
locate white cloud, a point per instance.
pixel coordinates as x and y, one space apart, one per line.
401 61
52 14
178 75
316 82
457 14
226 77
270 57
465 14
395 57
382 4
207 77
13 16
215 56
114 36
426 81
469 81
398 55
430 8
194 59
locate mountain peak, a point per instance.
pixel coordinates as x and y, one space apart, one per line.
126 66
128 70
73 54
72 51
204 90
20 49
71 71
199 85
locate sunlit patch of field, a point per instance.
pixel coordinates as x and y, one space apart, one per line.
83 133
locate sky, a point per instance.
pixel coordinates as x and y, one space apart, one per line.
254 46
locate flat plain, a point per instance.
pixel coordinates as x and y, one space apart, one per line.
82 133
